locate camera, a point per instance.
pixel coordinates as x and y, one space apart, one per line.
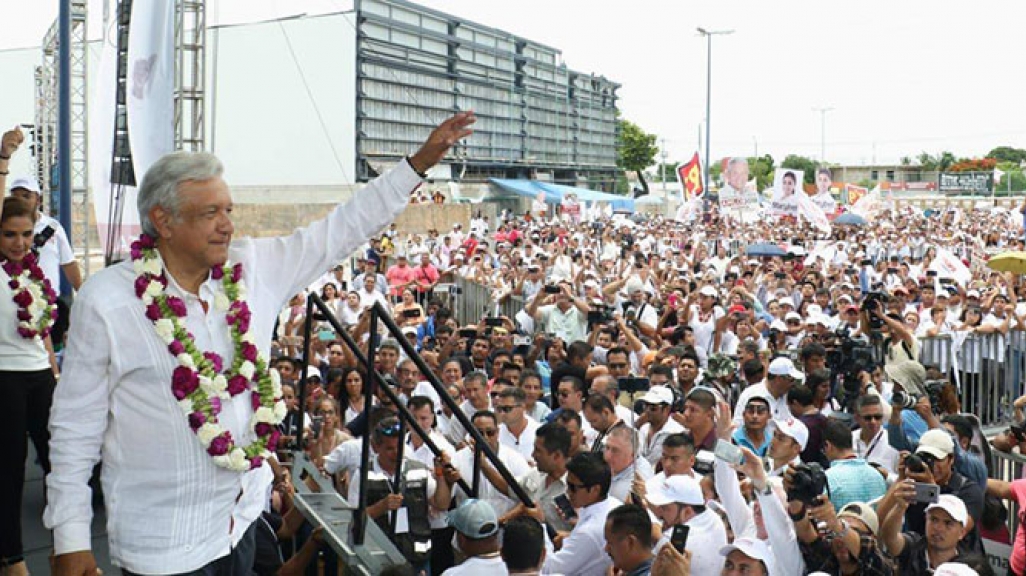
551 289
600 315
808 483
874 301
915 463
42 237
905 400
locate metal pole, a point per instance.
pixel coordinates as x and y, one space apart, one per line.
368 400
64 123
708 116
398 479
475 484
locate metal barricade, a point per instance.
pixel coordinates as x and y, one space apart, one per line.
470 301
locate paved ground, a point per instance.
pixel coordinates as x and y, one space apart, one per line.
36 538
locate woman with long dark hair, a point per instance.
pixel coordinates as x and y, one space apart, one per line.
27 369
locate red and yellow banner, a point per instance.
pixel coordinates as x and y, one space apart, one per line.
690 176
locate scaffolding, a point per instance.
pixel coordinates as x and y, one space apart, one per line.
45 132
190 74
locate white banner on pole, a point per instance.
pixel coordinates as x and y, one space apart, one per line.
151 83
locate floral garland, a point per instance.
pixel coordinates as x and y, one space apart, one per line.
36 300
200 383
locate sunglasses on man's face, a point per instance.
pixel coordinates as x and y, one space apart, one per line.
389 430
873 417
505 409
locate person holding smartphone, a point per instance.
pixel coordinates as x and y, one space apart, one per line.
678 501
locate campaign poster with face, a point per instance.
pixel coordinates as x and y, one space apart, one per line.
787 182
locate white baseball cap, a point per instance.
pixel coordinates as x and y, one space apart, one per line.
753 548
680 489
658 395
708 290
953 505
954 569
792 316
794 428
27 182
936 443
784 367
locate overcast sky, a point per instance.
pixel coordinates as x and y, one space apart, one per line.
901 77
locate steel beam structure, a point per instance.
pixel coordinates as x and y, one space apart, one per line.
190 74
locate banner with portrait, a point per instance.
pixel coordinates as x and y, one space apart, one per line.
787 184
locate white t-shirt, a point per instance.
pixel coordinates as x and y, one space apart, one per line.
56 252
478 566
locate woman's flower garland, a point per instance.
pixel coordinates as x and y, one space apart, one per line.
36 300
200 382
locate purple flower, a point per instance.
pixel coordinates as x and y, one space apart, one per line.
176 347
146 242
184 381
255 462
237 272
217 272
263 429
136 251
197 419
177 305
23 298
15 269
53 314
141 283
249 352
237 385
26 332
219 446
13 284
215 360
215 405
272 440
255 399
153 312
24 316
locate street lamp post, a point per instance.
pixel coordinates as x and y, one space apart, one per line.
822 132
708 102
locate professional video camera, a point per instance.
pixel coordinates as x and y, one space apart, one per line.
933 388
847 358
808 483
874 301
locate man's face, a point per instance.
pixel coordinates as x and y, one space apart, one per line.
657 414
598 420
578 494
286 370
542 457
199 235
942 531
369 283
489 430
509 411
388 358
737 564
27 196
677 460
576 435
737 176
756 416
617 453
569 397
618 365
604 340
618 547
696 417
388 451
687 371
497 363
782 448
476 393
871 420
479 350
814 362
289 396
532 388
424 417
409 376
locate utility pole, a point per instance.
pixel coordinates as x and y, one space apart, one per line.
822 132
708 101
662 167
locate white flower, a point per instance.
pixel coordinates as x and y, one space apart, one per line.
139 266
220 383
238 460
207 385
249 338
265 414
247 369
223 461
221 301
241 287
186 406
165 330
279 411
152 266
207 432
186 360
154 289
146 299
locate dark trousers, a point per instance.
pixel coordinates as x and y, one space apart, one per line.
25 399
239 562
442 557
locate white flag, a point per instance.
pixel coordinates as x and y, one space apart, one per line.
869 204
997 175
948 265
812 212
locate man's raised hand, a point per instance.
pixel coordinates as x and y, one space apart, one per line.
441 139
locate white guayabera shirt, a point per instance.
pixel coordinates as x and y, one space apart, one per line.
169 508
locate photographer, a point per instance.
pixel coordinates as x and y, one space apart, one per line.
839 543
933 463
946 523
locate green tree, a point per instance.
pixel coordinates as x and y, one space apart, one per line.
936 162
636 149
1008 154
761 168
808 165
667 171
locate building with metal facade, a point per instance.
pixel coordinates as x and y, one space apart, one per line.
536 117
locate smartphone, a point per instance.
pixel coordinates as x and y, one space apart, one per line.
927 493
550 289
780 275
727 452
563 503
679 539
467 332
326 335
493 322
414 313
315 425
931 273
633 385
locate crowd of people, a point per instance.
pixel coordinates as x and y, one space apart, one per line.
660 400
